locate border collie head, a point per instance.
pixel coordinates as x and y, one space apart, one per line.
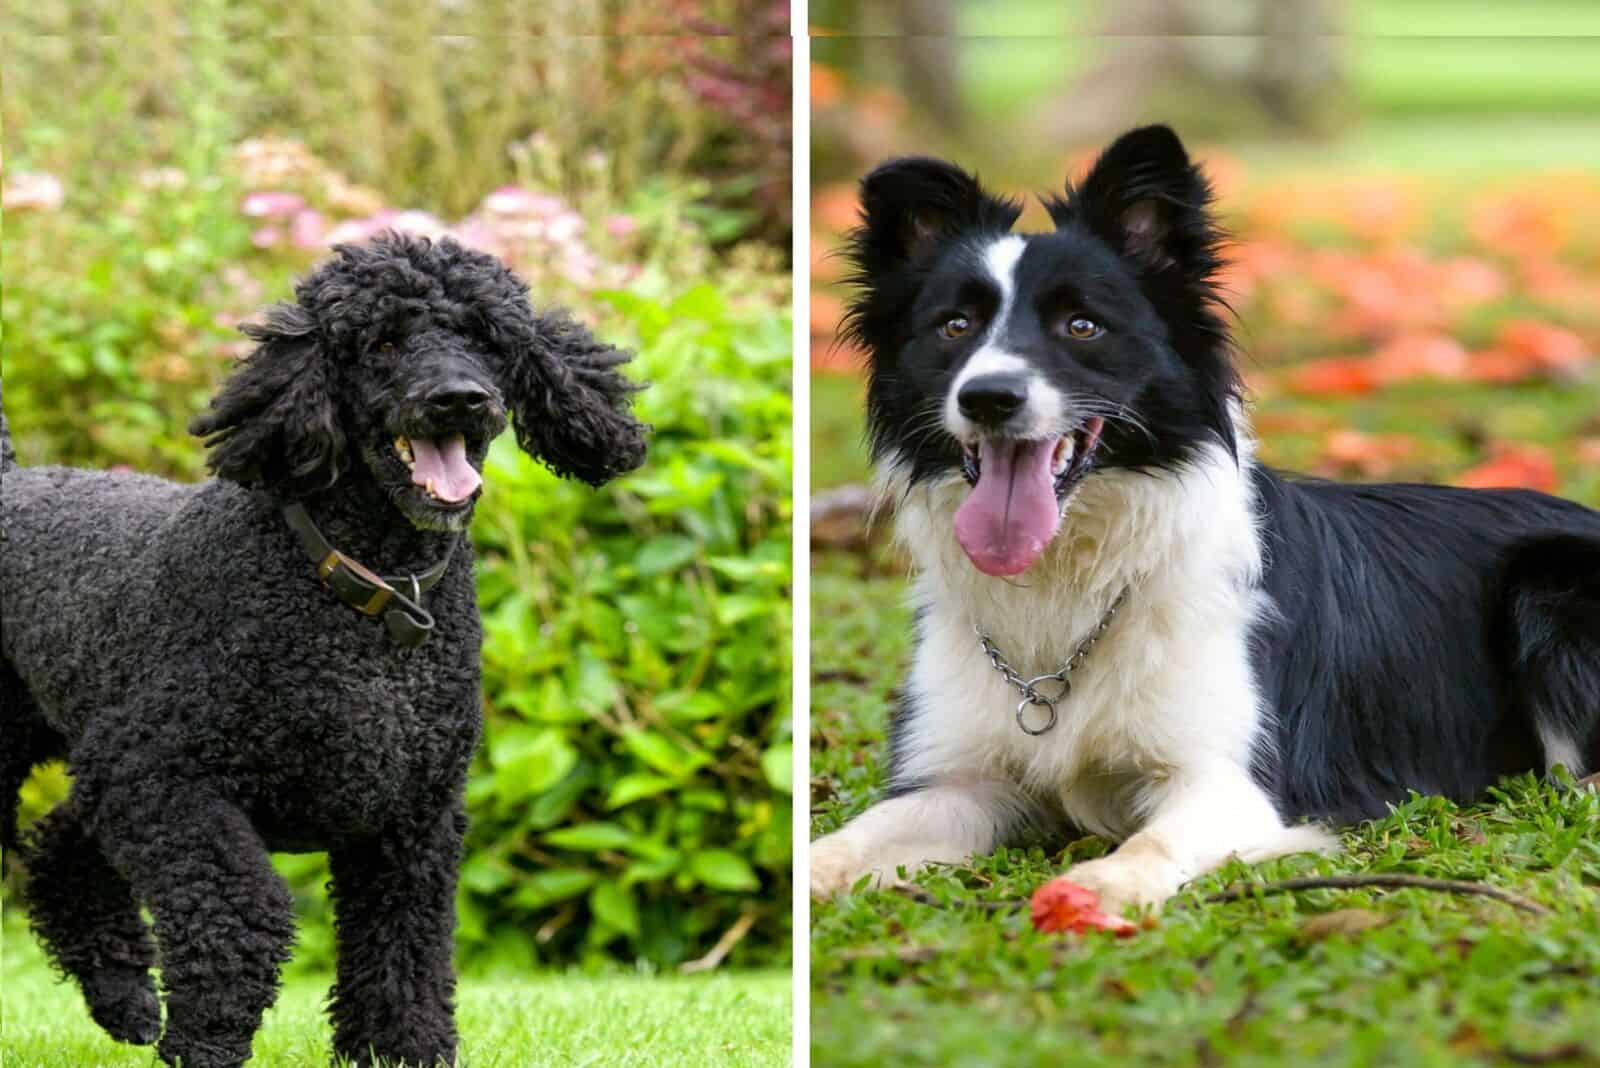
1027 363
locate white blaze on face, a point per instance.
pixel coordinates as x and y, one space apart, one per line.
1042 414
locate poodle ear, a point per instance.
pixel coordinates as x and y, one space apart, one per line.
274 424
908 204
571 406
1147 199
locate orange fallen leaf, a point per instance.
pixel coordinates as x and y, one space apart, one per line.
826 312
835 207
1550 346
1335 376
1419 354
1372 455
1063 905
1513 467
1499 366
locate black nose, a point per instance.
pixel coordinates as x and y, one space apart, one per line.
992 399
460 397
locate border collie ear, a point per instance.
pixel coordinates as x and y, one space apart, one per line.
572 407
274 423
1147 199
907 204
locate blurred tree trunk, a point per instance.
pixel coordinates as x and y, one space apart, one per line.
1276 60
926 38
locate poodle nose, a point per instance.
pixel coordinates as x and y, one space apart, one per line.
461 396
992 399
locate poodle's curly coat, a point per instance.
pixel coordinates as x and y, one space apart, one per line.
215 702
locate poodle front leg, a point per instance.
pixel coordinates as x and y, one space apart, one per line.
224 920
394 905
1203 817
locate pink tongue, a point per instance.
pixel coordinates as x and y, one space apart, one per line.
444 463
1011 514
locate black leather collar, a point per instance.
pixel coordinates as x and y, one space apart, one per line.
397 598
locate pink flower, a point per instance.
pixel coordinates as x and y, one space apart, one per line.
38 192
306 229
418 222
622 226
515 200
355 231
266 237
271 204
564 227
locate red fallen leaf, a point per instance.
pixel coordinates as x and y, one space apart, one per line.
1419 355
1513 467
1063 905
1550 346
1500 367
1338 376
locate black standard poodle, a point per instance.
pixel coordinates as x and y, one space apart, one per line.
285 657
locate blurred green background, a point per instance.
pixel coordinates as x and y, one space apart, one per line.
169 169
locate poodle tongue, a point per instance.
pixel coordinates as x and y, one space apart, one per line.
442 464
1012 513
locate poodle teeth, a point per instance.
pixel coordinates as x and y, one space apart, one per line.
402 445
428 486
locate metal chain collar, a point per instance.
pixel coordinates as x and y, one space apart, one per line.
1029 687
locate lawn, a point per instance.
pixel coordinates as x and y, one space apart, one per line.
728 1020
1444 980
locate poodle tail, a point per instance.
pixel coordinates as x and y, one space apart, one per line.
8 457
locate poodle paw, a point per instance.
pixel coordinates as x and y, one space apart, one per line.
123 1002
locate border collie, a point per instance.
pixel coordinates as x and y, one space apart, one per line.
1248 657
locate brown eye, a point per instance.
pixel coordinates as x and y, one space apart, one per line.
1082 329
954 327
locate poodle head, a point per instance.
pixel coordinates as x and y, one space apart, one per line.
399 361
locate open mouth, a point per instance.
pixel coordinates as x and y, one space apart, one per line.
439 468
1020 489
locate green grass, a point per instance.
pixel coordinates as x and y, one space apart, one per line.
736 1020
1447 980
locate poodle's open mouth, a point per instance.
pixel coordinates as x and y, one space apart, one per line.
439 468
1020 490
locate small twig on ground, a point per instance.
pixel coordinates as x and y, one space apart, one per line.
900 954
922 897
1391 880
724 946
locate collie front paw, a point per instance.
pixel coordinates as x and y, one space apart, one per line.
1126 883
835 866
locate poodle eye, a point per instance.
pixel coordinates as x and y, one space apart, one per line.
954 327
387 348
1081 328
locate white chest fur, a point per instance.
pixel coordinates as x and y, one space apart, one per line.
1167 687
